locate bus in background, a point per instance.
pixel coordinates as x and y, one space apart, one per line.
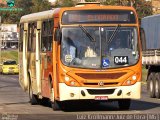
89 52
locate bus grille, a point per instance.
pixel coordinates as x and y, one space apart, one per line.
110 83
100 91
101 75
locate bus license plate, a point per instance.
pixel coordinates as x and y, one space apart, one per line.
101 97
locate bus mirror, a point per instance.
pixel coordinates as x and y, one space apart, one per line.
57 35
143 39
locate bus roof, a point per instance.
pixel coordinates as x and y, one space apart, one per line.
37 16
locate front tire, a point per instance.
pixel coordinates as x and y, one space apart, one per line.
54 103
124 104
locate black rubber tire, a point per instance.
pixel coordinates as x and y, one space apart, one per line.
44 101
54 104
151 84
33 98
124 104
157 85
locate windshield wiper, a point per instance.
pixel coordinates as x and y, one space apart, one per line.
87 33
114 34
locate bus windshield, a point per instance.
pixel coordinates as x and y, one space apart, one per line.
105 51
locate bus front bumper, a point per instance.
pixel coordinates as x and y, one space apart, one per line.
90 93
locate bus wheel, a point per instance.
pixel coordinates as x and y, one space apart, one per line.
151 84
33 98
54 103
124 104
157 85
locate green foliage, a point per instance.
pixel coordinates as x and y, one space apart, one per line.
9 55
111 2
25 4
40 5
28 6
8 17
143 8
144 74
64 3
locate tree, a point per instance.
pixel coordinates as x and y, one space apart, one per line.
111 2
64 3
28 6
40 5
143 8
25 5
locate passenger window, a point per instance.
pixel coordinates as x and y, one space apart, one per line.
47 36
21 37
44 37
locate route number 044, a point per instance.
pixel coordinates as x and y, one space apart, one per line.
120 60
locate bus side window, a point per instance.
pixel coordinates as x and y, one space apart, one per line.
21 37
50 35
47 36
34 28
44 37
29 36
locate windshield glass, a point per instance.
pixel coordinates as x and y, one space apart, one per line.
9 63
97 47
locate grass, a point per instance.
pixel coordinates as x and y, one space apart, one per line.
9 55
144 74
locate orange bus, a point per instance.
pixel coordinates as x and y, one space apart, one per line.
89 52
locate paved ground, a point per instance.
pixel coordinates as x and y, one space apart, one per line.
14 104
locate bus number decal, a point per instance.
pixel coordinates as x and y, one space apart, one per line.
120 60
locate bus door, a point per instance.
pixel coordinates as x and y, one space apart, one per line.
37 55
24 57
46 56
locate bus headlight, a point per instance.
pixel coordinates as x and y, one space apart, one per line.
134 77
130 81
70 81
66 78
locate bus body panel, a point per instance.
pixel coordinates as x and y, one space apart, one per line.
75 93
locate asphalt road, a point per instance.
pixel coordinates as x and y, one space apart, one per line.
14 105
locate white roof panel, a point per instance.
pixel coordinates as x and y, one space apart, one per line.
37 16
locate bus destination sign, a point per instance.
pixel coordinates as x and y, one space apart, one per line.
98 16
